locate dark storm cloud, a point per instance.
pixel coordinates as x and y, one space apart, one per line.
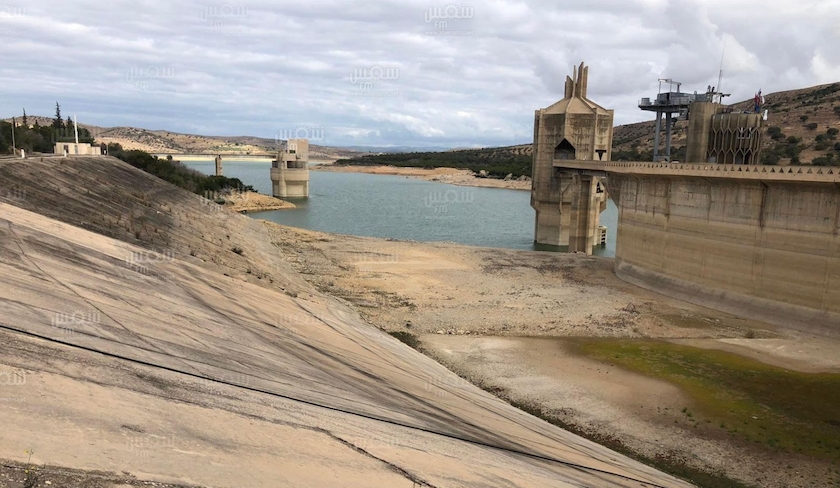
393 72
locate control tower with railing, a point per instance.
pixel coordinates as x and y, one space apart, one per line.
669 104
715 134
290 171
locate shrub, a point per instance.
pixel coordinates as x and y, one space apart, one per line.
827 160
770 157
821 146
832 132
793 140
811 126
803 118
775 133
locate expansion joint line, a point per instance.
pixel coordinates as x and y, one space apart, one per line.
366 416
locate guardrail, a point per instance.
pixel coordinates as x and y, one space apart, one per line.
816 174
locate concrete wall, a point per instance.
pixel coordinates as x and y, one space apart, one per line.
769 250
81 149
290 183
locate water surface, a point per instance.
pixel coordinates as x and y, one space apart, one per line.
397 207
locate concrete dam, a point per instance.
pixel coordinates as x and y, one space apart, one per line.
758 241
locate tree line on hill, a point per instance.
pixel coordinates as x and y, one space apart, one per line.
176 172
39 138
497 162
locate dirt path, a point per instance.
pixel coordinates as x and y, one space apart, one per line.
470 308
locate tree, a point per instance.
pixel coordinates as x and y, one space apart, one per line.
25 122
57 122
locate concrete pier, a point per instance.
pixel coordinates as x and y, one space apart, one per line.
575 129
290 171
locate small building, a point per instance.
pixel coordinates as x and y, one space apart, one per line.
77 149
290 171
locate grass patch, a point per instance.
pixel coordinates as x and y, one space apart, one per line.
673 465
406 338
668 464
738 397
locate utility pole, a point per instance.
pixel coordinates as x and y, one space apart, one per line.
76 127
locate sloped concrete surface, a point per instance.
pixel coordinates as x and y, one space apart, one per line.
167 369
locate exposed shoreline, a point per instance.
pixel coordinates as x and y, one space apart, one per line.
247 202
505 319
452 176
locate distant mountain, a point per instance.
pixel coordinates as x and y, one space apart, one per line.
163 142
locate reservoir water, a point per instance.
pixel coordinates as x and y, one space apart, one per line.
403 208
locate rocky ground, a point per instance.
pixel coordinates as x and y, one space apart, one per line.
500 318
249 201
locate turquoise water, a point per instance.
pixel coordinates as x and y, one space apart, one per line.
406 209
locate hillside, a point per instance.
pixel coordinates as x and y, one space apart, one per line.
800 124
162 141
802 128
497 162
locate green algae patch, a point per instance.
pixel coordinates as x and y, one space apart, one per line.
737 397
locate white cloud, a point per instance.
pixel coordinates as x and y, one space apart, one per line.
260 66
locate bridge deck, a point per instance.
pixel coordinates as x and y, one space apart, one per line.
800 174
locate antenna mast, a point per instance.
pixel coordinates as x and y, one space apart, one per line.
720 73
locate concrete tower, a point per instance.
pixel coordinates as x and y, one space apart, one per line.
578 129
290 171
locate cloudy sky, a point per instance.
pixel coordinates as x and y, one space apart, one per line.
392 72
